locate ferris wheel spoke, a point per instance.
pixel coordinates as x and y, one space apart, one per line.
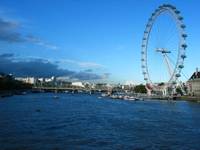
184 75
170 33
168 67
171 39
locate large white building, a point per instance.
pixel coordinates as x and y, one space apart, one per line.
30 80
194 84
78 84
52 79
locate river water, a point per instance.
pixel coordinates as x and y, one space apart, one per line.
80 121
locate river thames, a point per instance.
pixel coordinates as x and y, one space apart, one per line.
81 121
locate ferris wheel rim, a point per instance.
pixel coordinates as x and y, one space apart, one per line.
178 19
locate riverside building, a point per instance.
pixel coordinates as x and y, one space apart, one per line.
194 84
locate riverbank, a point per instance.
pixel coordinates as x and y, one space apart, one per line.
190 98
178 98
8 93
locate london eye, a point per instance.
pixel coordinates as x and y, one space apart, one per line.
166 57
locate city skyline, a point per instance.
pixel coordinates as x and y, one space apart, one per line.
87 40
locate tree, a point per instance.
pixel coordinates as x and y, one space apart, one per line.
140 89
7 82
161 84
179 91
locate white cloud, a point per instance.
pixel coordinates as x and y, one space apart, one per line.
9 32
90 65
42 68
83 64
40 42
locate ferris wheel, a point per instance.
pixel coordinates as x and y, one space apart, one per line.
173 65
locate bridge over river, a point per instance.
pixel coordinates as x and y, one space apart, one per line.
70 89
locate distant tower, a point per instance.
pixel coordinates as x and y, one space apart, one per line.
196 73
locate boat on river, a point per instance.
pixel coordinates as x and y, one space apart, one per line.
56 97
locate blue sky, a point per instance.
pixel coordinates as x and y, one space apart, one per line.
102 37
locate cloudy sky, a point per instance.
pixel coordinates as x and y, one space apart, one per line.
84 39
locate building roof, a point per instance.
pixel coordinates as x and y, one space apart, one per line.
195 75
